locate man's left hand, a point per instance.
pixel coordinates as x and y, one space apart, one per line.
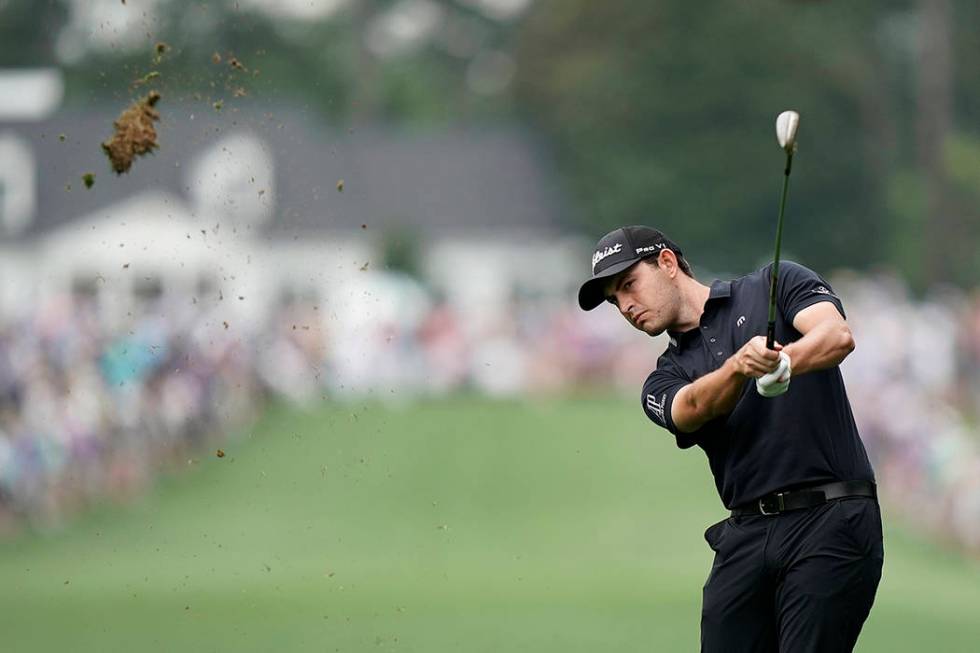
776 382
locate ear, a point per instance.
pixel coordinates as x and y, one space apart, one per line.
667 262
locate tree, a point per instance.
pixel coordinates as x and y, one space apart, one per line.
662 112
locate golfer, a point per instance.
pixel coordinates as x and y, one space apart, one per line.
797 563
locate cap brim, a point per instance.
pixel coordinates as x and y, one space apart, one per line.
591 293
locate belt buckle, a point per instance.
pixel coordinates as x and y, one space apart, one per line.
780 505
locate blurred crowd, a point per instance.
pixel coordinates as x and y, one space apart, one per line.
94 409
88 412
914 384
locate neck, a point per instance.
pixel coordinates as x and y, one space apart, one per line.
694 295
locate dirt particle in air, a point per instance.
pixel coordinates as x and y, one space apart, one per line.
237 65
135 133
146 79
88 179
216 58
62 138
340 186
218 105
220 453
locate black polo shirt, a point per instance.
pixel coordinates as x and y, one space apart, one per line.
804 436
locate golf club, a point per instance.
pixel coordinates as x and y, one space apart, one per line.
786 125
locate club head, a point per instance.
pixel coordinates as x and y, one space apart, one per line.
786 125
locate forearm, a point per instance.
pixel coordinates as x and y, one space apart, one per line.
824 346
711 396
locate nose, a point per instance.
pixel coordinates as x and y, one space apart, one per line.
626 307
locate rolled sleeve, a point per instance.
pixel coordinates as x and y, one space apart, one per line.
800 287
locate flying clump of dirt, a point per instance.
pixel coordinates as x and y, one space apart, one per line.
135 133
160 49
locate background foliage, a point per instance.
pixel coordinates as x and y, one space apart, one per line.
658 112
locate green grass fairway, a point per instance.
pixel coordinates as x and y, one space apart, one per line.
464 525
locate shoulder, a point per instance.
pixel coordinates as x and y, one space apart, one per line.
800 287
786 268
796 277
668 367
752 280
789 268
790 272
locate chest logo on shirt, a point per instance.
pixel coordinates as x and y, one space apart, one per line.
740 321
657 408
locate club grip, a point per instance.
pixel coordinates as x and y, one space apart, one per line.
771 336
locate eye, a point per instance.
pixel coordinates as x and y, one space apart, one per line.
628 284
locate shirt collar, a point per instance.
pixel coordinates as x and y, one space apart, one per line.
719 290
682 339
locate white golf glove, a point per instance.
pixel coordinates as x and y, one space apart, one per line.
776 382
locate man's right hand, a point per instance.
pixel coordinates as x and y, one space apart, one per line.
754 359
716 393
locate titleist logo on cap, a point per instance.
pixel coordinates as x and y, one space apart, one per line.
603 253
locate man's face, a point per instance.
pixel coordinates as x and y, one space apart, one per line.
645 296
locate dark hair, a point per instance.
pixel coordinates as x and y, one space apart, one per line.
681 262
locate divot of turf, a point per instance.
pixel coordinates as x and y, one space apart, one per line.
135 133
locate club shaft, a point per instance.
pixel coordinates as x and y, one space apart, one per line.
771 329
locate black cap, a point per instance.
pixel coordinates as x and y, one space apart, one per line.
617 251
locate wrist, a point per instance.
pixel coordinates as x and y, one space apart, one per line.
791 352
733 369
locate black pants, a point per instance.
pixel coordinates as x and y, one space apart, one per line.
799 582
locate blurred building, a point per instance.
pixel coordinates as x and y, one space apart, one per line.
254 207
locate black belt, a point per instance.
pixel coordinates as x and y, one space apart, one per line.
807 497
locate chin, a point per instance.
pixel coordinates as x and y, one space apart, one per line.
652 330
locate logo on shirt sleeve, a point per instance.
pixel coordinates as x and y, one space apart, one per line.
823 290
657 408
